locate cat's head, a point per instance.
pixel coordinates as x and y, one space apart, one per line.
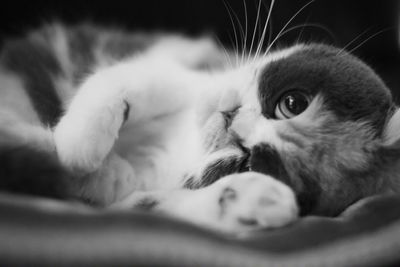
312 116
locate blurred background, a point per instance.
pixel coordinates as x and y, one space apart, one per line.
344 23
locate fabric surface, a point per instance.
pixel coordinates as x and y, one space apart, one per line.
38 232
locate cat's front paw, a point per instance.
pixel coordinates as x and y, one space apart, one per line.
86 134
250 201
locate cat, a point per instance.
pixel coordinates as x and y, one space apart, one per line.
163 122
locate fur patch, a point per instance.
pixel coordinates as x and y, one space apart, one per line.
265 159
218 169
37 66
350 89
82 41
120 45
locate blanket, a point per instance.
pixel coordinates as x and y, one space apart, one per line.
40 232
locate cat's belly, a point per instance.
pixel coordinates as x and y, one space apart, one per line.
161 151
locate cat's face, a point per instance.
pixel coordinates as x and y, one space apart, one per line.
311 116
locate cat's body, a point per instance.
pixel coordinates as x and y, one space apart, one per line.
135 121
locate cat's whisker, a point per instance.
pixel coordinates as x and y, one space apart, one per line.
369 38
246 30
261 41
260 27
226 54
270 34
302 30
285 26
352 41
315 25
254 31
304 25
236 42
241 30
235 51
266 7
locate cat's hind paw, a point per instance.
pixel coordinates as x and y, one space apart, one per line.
112 182
236 203
250 201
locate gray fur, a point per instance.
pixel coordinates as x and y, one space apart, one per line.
338 159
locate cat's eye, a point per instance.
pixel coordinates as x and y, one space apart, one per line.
291 104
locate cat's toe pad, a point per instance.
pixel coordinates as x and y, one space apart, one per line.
254 201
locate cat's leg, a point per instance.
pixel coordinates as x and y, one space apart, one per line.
120 96
235 203
133 91
157 83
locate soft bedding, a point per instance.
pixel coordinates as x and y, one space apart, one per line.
38 232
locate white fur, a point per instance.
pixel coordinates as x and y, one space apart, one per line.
392 130
162 138
257 197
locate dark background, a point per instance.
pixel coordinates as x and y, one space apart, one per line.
344 20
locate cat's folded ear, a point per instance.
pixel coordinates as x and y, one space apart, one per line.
391 132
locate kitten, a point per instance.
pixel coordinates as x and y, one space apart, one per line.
164 123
